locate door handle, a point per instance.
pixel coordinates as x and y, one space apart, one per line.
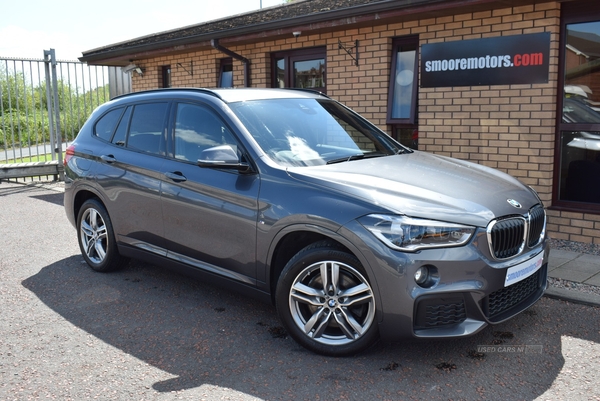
176 176
108 158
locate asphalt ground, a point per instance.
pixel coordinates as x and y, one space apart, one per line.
145 333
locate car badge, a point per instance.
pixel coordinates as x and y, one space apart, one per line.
514 203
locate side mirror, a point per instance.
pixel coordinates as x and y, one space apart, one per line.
223 156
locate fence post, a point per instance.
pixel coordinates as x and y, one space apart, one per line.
53 107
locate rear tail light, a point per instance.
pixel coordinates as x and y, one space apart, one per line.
70 152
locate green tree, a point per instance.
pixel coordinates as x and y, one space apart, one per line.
24 109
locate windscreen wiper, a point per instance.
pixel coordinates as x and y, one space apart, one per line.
356 157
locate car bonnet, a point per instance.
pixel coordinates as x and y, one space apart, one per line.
426 186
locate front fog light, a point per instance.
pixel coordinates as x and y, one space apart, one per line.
421 275
427 276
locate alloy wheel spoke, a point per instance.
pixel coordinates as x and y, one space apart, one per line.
305 294
100 251
341 319
324 322
356 295
101 232
90 245
93 219
335 277
324 276
314 319
87 229
357 327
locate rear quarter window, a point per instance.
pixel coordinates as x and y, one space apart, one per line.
105 126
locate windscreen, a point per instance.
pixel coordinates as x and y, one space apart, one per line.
309 132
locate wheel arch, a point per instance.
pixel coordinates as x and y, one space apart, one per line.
293 239
81 197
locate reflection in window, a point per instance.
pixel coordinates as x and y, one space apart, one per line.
309 73
166 76
579 167
582 73
280 73
403 83
226 73
407 137
303 68
146 127
198 129
402 96
106 125
309 132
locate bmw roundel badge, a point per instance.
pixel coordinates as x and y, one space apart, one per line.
514 203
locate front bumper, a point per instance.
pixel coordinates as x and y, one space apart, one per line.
460 314
469 294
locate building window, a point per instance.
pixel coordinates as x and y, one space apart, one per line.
226 73
577 170
402 96
166 76
300 69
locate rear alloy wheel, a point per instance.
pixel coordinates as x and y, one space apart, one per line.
97 239
326 302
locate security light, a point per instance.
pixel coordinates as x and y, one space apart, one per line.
129 68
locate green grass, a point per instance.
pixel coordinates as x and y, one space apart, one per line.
29 159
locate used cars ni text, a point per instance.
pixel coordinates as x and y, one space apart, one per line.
295 198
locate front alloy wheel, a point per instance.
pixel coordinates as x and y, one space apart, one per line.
329 304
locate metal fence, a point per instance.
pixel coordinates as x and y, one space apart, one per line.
44 103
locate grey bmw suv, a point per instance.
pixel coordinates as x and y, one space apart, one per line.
294 198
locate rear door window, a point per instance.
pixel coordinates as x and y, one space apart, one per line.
146 130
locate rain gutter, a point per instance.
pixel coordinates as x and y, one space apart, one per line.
215 44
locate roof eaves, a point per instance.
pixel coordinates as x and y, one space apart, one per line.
162 41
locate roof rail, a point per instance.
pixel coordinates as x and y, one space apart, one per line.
309 91
200 90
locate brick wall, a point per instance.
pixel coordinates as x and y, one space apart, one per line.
508 127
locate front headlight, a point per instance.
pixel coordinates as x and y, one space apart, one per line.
410 234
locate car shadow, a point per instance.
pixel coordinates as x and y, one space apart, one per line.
207 335
57 198
12 188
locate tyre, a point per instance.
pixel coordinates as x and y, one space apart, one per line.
97 238
325 301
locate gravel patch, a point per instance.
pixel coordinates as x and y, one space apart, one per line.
590 249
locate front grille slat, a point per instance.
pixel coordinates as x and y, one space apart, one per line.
537 226
508 236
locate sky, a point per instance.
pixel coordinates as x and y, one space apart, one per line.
27 28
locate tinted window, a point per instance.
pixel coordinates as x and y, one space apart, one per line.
303 68
579 127
196 129
307 132
146 128
121 134
106 125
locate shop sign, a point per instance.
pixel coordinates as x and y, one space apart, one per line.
503 60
